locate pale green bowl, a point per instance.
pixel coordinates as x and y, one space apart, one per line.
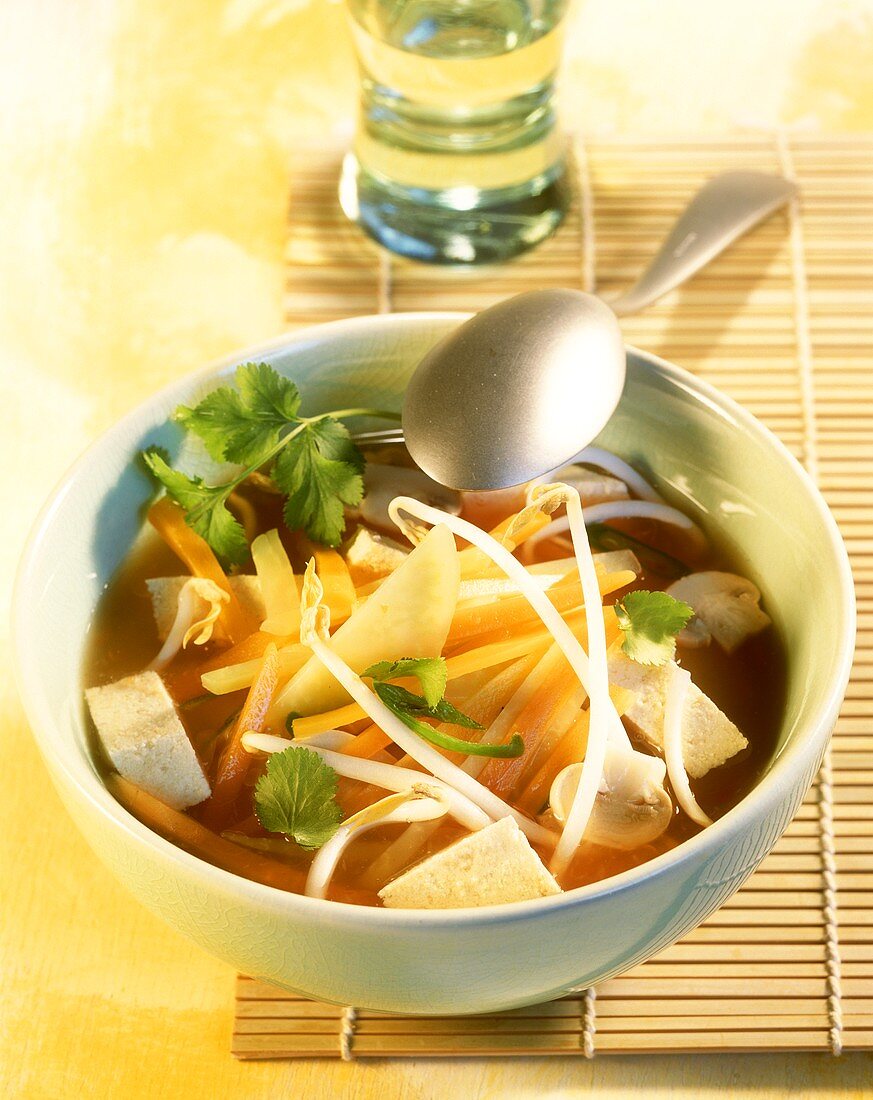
709 455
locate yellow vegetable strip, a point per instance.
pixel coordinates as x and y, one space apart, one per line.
327 720
339 592
235 677
278 586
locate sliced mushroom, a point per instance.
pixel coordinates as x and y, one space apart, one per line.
695 634
632 808
727 607
383 483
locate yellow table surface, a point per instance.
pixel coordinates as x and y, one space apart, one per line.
143 193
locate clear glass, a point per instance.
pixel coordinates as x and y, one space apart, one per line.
457 158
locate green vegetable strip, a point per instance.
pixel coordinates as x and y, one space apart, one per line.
513 748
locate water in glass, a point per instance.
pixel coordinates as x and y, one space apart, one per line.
457 158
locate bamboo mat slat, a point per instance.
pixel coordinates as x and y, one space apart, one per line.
783 322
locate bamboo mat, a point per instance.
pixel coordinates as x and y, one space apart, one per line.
783 323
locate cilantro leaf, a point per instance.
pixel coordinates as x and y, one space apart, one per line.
297 796
319 471
651 621
429 671
243 424
205 508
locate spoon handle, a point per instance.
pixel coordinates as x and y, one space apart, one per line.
722 210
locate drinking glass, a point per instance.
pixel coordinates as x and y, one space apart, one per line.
456 158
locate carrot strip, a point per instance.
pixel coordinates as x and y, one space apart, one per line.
569 750
542 723
200 841
544 745
559 688
340 596
510 613
575 619
369 742
187 683
234 762
168 520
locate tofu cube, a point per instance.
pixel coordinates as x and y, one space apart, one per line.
709 737
489 867
143 737
370 555
164 593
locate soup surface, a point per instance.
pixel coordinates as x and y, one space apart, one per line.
747 685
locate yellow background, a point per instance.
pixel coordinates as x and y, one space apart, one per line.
144 147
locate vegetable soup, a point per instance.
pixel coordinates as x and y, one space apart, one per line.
327 673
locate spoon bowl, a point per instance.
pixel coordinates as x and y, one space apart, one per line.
516 391
526 385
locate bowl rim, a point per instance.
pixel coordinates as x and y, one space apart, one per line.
786 768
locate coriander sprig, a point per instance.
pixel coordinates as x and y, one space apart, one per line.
312 460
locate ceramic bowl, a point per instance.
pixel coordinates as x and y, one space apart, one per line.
708 455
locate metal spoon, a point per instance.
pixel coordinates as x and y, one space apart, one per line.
725 208
525 385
